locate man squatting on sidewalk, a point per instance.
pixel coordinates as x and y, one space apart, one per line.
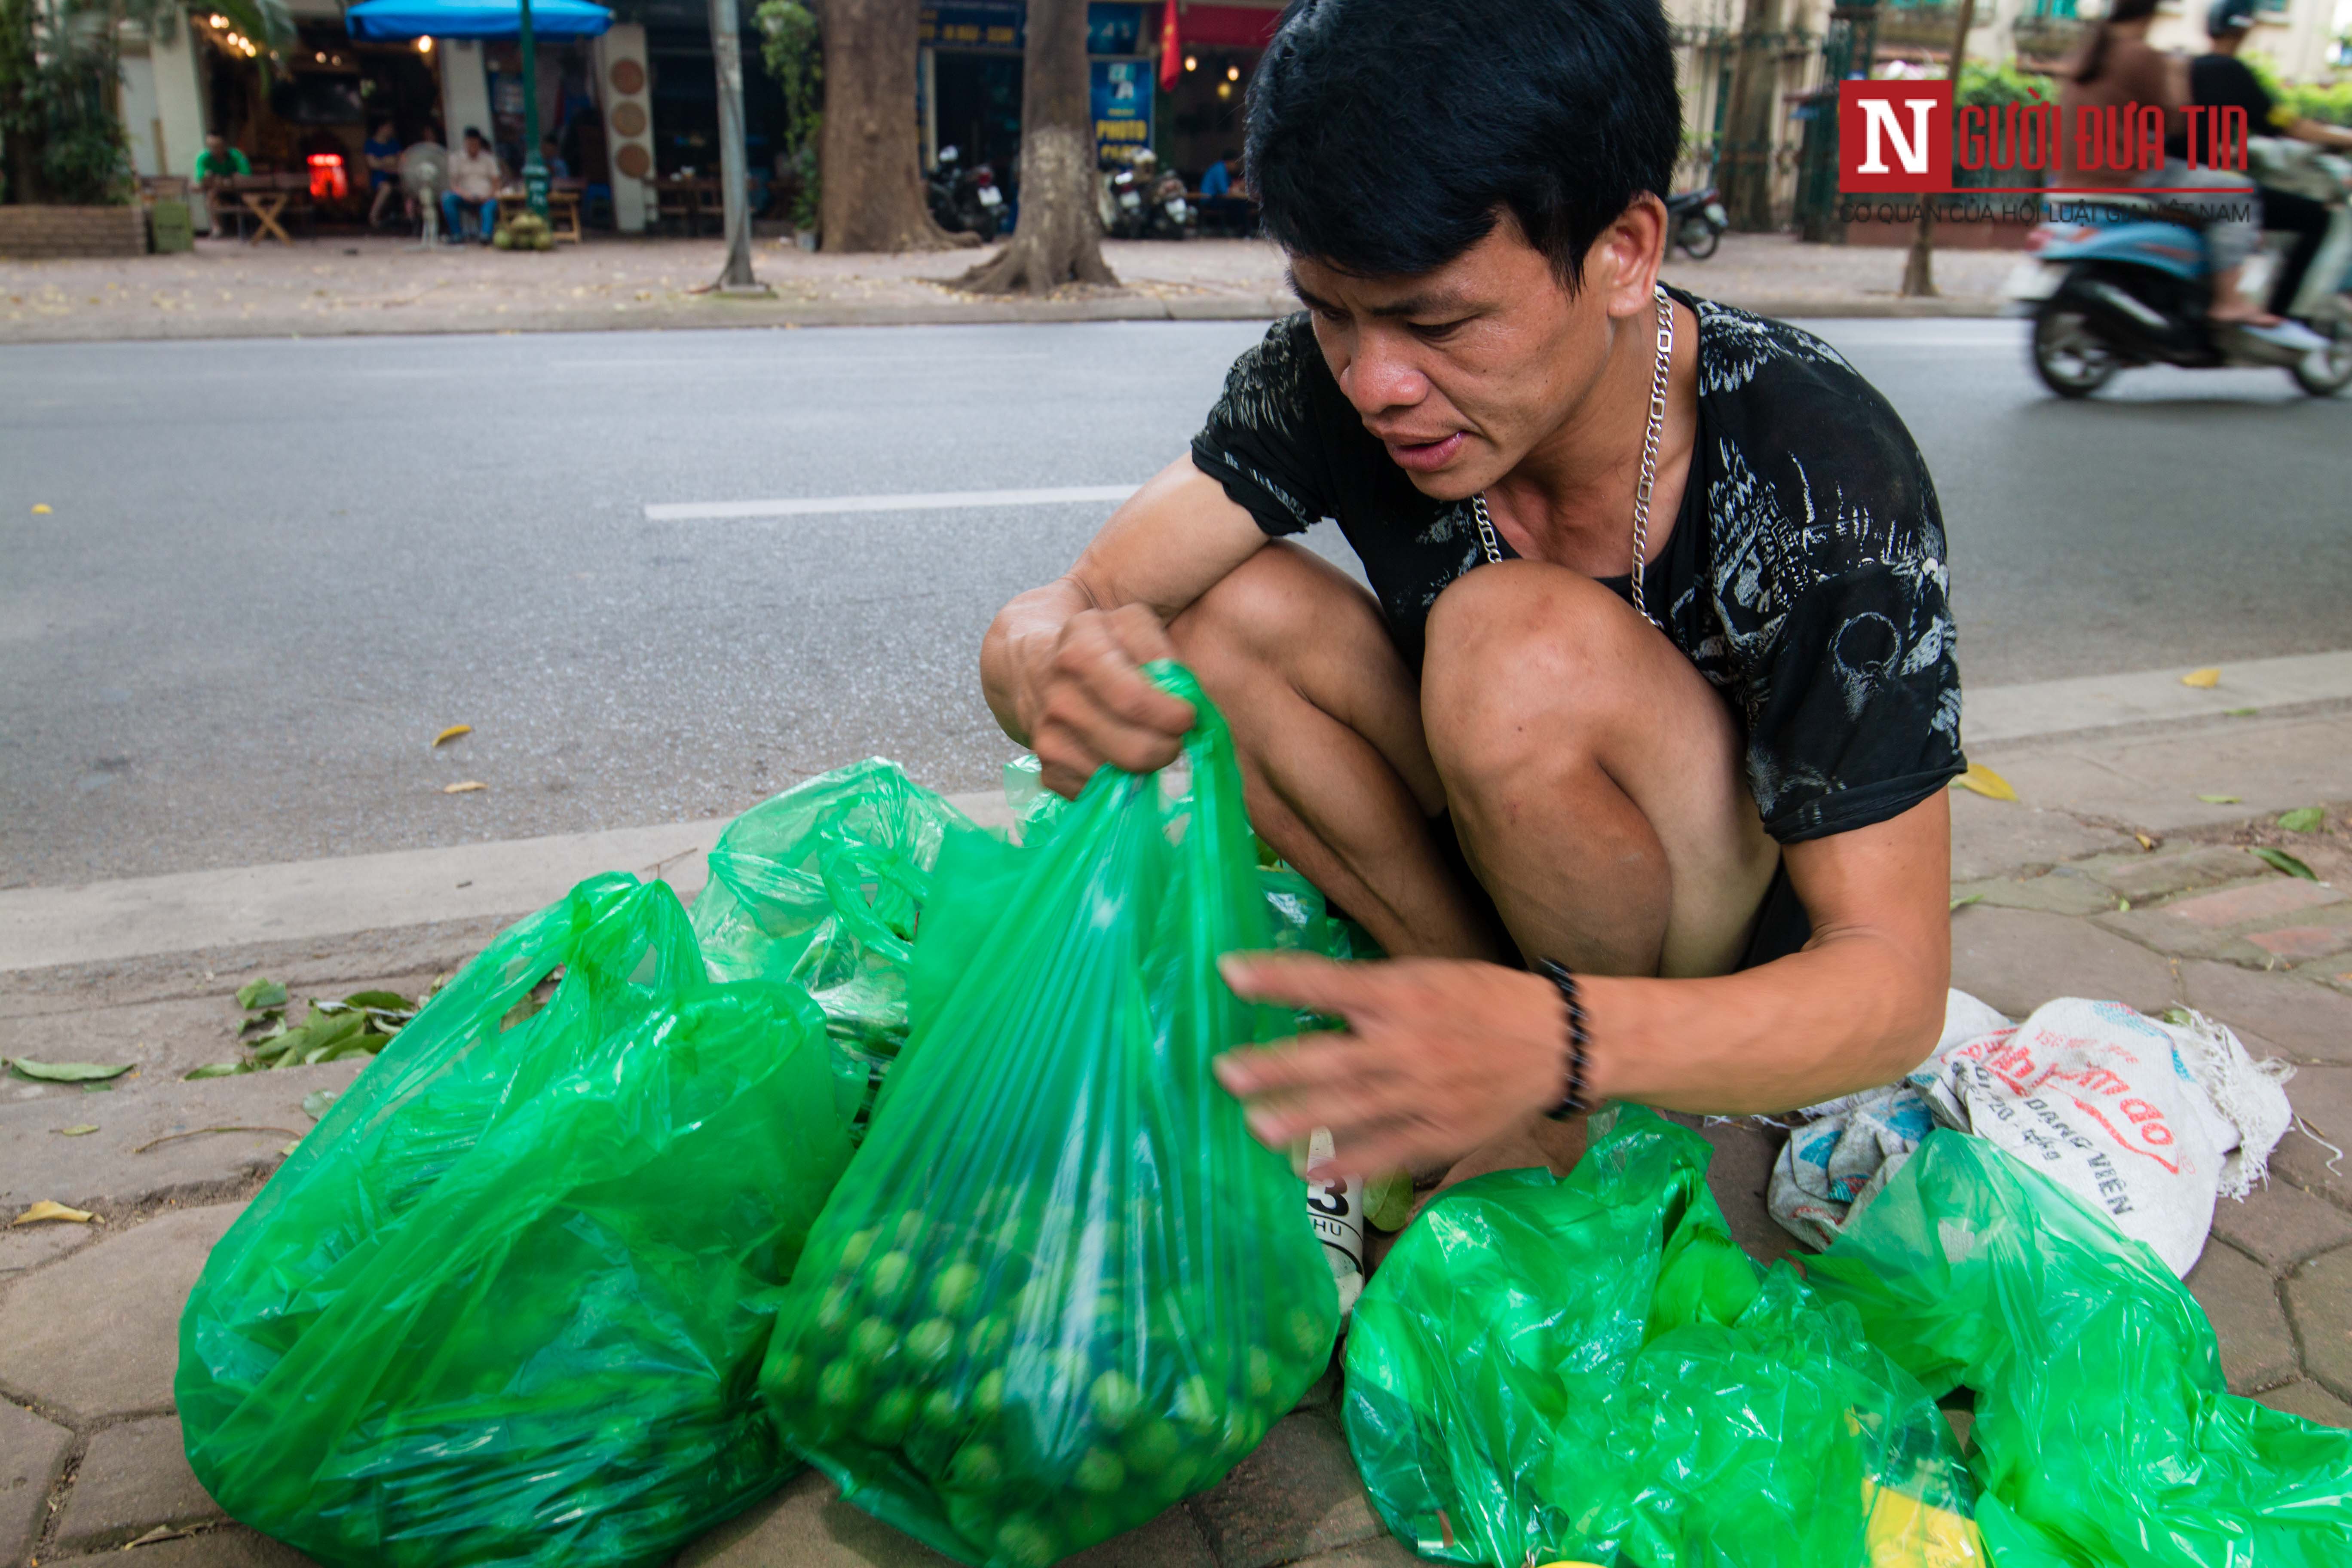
1635 756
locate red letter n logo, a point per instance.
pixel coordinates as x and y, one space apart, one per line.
1894 136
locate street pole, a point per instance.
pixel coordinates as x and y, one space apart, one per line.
727 51
535 167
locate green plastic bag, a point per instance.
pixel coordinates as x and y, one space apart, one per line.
507 1301
822 888
1060 1287
1589 1369
2104 1434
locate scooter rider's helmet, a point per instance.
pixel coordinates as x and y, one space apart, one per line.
2229 16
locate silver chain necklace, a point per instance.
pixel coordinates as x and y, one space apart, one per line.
1494 550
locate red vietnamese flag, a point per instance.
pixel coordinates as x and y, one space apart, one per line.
1171 47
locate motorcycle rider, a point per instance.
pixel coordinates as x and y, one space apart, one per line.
2220 80
2118 67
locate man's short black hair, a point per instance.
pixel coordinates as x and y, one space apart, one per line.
1386 135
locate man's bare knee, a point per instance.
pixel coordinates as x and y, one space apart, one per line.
1272 604
1521 659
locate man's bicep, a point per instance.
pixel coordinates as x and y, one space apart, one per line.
1890 880
1168 544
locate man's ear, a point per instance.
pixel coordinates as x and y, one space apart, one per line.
1623 262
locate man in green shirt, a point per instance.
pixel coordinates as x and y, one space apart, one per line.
218 164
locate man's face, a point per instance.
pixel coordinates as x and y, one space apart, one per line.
473 146
1463 370
217 144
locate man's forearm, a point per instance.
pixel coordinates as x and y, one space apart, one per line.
1852 1011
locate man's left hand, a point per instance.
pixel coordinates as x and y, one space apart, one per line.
1439 1057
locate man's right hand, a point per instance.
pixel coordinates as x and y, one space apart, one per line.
1088 702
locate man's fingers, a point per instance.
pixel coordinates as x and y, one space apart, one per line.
1281 1118
1302 980
1306 1065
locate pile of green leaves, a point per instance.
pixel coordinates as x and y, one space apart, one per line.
357 1025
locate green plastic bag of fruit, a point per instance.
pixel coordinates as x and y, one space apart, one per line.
2104 1432
507 1302
822 888
1060 1287
1589 1369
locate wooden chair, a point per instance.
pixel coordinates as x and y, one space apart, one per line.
674 201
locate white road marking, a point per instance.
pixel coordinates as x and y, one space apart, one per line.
937 500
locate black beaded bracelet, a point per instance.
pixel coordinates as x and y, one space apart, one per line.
1580 1043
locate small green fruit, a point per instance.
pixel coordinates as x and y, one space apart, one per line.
1259 1376
955 1288
943 1412
911 1228
1196 1403
841 1385
976 1467
791 1374
988 1395
834 1308
872 1341
886 1425
1099 1472
1025 1542
930 1342
988 1338
1117 1400
855 1250
888 1281
1307 1332
1151 1447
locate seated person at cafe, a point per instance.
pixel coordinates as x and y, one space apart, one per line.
552 156
216 165
475 175
382 151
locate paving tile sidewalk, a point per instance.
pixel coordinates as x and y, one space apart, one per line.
350 285
2110 877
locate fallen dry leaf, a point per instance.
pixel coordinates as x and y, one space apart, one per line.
2145 841
2203 679
1981 780
451 733
464 786
84 1130
2220 800
46 1210
41 508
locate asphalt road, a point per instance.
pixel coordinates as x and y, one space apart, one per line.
273 570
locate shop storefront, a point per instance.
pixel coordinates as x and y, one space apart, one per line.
1200 117
970 79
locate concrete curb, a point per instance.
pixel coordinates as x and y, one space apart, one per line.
716 311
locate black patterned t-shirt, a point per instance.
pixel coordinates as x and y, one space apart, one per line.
1804 575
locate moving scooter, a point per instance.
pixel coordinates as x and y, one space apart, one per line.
2111 284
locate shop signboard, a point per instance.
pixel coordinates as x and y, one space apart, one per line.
1113 27
1122 105
972 25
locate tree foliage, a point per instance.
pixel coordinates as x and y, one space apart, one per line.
60 74
791 45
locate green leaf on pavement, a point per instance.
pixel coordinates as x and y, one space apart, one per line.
380 1001
315 1103
1961 903
84 1130
2122 906
2304 819
261 994
2238 713
2279 860
217 1069
2218 799
68 1072
263 1024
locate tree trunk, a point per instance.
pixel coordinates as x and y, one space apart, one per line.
1920 267
1059 238
1749 119
870 165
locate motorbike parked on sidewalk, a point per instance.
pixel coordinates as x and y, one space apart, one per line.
2111 284
1124 214
964 201
1696 220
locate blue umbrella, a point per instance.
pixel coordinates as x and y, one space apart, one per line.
474 19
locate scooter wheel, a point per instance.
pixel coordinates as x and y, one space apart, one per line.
2072 360
1699 240
2325 371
